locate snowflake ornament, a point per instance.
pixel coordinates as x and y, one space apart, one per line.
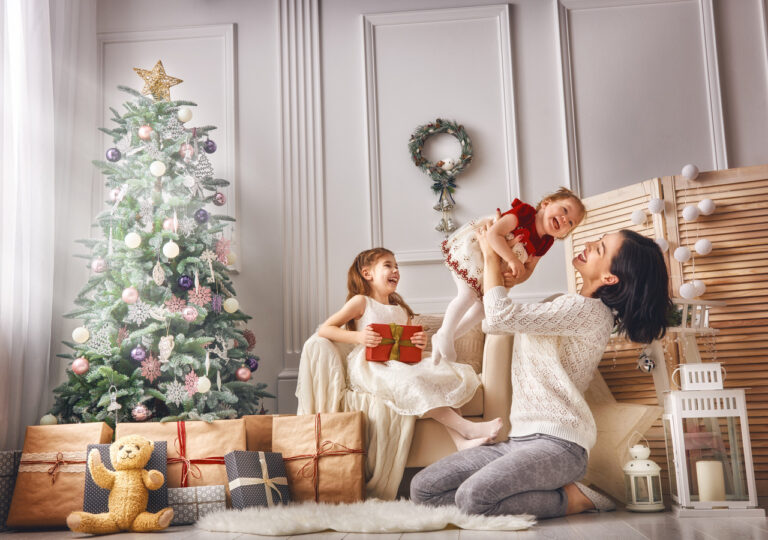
138 313
150 368
200 296
175 304
191 383
175 393
100 342
187 226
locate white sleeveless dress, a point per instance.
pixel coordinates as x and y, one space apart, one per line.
409 389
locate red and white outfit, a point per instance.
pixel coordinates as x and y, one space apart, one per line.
465 259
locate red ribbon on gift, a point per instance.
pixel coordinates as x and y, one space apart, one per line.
189 466
53 470
325 448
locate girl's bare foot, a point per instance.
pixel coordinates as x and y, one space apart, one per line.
462 444
474 430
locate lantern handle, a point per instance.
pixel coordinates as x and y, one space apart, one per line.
672 377
641 437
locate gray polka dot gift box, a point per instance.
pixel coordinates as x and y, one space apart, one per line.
96 499
191 503
257 479
9 465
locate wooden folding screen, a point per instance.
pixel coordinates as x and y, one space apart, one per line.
736 272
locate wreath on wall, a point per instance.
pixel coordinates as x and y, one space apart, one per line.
443 173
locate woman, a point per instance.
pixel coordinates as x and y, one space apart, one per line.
557 348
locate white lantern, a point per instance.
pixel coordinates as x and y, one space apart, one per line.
709 452
643 481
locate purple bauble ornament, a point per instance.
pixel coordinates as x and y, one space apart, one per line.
141 413
243 373
219 199
113 154
80 366
201 216
209 146
185 282
98 265
139 353
252 362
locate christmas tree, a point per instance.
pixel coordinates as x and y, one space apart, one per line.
162 334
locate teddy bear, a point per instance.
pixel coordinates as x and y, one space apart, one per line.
128 485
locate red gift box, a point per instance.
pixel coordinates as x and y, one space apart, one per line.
395 344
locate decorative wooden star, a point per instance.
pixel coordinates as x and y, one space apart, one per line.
156 82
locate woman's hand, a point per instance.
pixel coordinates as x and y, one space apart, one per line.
419 339
485 245
369 337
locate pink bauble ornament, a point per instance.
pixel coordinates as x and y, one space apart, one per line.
189 313
80 366
130 295
98 265
168 224
187 150
219 199
243 373
145 132
114 194
140 413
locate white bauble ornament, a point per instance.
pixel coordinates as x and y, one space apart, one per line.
682 254
706 206
656 206
699 286
184 114
189 181
690 212
231 258
80 334
203 384
662 243
687 291
171 249
48 420
703 246
231 305
132 240
638 217
690 172
157 168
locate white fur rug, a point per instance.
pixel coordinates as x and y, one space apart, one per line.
371 516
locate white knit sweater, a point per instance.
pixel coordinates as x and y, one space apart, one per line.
557 348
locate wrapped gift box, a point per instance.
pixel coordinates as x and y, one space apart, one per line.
9 465
96 499
191 503
395 344
258 432
323 455
51 477
257 479
195 449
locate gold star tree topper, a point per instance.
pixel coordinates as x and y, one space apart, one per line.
156 82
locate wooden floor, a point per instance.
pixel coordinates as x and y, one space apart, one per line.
619 525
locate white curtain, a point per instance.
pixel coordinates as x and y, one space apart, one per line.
38 97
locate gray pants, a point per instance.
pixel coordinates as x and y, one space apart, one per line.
523 475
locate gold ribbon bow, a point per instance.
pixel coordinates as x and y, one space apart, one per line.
270 484
396 341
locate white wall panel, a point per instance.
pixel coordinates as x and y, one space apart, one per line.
645 89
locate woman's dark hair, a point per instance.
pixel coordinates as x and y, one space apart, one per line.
640 299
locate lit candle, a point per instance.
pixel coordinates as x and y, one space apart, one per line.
711 480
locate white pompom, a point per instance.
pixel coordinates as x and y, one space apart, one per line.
682 254
656 206
699 287
638 217
690 171
690 212
706 206
687 291
663 244
184 114
703 246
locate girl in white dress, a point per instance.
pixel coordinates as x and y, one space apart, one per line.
420 389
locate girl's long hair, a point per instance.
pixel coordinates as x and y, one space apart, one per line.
640 300
357 284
